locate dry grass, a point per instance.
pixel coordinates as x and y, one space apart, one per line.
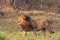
9 27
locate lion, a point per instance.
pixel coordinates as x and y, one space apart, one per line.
29 24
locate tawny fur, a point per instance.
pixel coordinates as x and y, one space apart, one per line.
34 25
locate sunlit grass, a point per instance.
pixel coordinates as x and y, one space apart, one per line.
29 36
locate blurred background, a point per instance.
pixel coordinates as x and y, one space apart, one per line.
11 9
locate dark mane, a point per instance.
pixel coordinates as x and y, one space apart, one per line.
27 17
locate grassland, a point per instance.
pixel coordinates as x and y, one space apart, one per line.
29 36
9 29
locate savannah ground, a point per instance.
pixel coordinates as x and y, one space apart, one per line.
9 29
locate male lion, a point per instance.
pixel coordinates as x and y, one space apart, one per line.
34 25
27 24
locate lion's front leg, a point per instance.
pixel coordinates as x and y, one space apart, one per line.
23 34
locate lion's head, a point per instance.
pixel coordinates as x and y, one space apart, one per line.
23 20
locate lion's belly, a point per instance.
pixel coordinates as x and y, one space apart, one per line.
40 25
39 28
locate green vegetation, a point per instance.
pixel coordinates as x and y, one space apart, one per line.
9 29
2 36
29 36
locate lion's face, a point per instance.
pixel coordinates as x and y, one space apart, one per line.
22 20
